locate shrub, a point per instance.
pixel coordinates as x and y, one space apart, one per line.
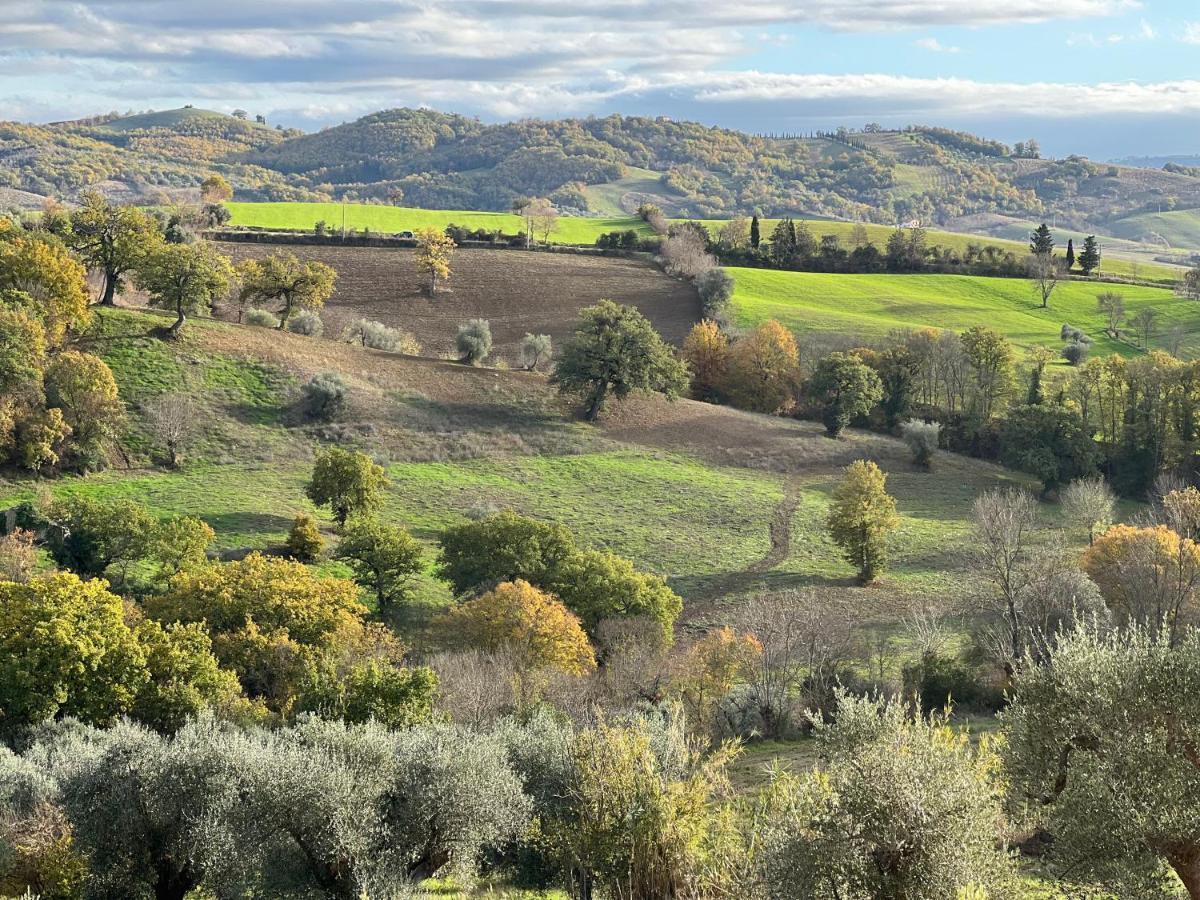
939 681
535 348
474 341
377 336
324 397
715 287
1075 353
304 541
261 318
306 323
922 440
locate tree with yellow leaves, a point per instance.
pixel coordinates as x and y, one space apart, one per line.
764 369
711 667
706 351
39 276
434 249
861 516
533 627
1147 575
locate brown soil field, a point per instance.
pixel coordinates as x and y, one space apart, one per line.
517 291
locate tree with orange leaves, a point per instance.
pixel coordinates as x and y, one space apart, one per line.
706 351
764 369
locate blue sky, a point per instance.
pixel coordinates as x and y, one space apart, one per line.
1106 78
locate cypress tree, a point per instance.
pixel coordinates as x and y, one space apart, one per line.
1070 254
755 234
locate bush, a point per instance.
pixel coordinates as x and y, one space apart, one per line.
377 336
307 323
304 541
1075 353
716 290
324 397
535 348
261 318
474 341
922 440
938 680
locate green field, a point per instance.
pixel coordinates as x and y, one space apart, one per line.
1179 228
869 306
578 230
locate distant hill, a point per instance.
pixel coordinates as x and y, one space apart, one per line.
593 166
1157 162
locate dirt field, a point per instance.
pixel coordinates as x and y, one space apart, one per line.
516 291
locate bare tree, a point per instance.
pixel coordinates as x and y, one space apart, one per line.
18 556
684 254
1112 305
1004 522
1175 339
174 419
1145 325
1089 503
541 218
474 688
1043 269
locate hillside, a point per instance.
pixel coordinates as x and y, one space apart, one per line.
717 500
516 291
594 166
866 307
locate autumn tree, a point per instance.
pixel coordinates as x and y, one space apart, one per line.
711 667
39 276
282 278
990 356
1043 271
434 249
1148 576
861 517
764 369
384 558
216 189
347 481
83 387
530 625
113 239
845 388
615 350
706 351
185 278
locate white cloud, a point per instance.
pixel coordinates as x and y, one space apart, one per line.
1191 33
933 45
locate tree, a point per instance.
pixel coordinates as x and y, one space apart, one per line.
434 249
186 278
715 287
1189 285
283 278
1003 521
1148 576
922 440
83 387
710 668
861 516
384 558
616 350
305 542
89 536
1099 747
1089 503
533 351
596 586
845 388
535 629
1049 442
474 341
22 356
755 232
216 189
706 351
39 276
764 369
184 678
1089 258
990 355
1070 256
347 481
1112 305
500 547
174 419
902 807
540 217
1043 270
1145 325
1041 242
113 239
65 650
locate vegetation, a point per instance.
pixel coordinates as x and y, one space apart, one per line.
347 481
284 279
860 518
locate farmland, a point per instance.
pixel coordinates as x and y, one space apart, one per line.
516 291
869 306
578 230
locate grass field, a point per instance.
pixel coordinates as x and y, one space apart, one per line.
869 306
1178 228
577 230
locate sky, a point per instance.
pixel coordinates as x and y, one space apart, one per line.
1105 78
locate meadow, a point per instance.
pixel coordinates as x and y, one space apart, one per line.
579 230
870 306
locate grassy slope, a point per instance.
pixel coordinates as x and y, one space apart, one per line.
1180 228
575 230
870 306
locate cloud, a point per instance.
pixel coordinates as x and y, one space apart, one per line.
933 45
1191 33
